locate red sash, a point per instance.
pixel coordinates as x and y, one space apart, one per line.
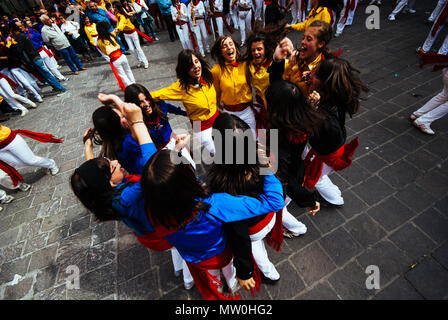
114 57
275 237
440 61
338 160
205 282
42 137
237 107
206 124
48 52
145 36
243 9
261 116
350 6
10 81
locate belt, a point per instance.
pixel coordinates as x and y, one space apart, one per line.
237 107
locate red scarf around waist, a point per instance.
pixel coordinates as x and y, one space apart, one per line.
11 82
48 52
145 36
275 237
42 137
338 160
206 283
114 56
207 124
237 107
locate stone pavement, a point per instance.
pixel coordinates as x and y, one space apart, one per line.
395 216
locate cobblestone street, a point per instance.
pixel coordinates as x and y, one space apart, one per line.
396 191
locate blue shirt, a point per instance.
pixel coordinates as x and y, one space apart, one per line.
132 156
165 7
161 131
35 37
98 16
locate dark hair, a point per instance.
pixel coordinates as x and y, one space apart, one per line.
171 191
340 84
185 63
235 178
289 110
84 183
103 32
325 33
270 40
120 8
108 131
216 51
131 93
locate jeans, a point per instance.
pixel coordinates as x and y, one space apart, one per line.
71 58
39 64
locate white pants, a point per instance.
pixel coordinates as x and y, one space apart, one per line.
427 45
259 9
437 10
261 255
248 116
18 153
134 46
402 4
437 107
124 70
298 13
220 25
341 25
205 138
229 273
185 153
200 32
245 23
327 189
184 36
11 97
290 222
180 264
51 64
26 81
234 16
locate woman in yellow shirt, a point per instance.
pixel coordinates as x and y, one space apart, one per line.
232 81
318 12
195 89
130 34
92 35
109 46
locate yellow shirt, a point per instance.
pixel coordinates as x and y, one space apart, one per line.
260 77
321 13
123 23
102 5
232 84
4 132
300 73
107 47
200 103
91 32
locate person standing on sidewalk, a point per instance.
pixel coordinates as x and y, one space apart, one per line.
165 9
52 35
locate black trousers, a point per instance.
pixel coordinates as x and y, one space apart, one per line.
171 27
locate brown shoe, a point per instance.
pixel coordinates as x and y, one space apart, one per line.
83 69
76 72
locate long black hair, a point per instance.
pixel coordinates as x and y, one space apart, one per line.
91 184
171 191
108 131
217 54
185 63
289 111
103 32
242 175
131 93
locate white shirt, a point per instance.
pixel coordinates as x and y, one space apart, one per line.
71 26
138 4
183 13
199 10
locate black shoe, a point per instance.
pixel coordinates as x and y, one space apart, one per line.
127 53
268 281
4 118
325 203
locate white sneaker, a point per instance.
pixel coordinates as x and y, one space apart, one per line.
337 34
391 17
32 105
7 199
24 186
54 170
40 100
146 66
412 11
24 111
61 93
423 128
156 39
188 285
1 208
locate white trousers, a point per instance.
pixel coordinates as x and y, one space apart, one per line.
245 23
18 153
234 16
298 13
26 81
180 264
248 116
51 64
437 107
229 273
427 45
341 25
400 5
326 188
134 46
200 32
184 37
220 25
261 255
124 70
290 222
185 153
437 10
259 9
11 97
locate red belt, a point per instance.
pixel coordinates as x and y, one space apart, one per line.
114 56
180 23
275 237
206 124
95 36
262 224
237 107
129 31
48 52
243 9
151 241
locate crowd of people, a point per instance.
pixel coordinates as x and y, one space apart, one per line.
145 175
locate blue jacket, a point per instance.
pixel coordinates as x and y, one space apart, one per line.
35 37
165 7
98 16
